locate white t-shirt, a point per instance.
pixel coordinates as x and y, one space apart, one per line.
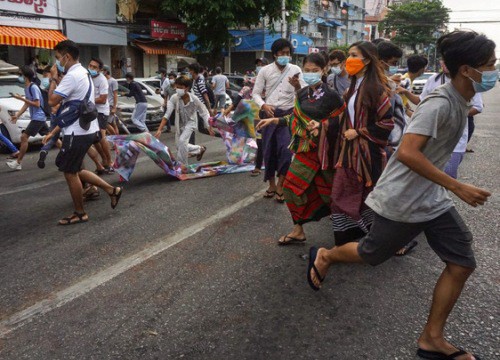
112 87
352 102
101 87
74 86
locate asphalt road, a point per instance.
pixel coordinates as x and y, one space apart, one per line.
191 270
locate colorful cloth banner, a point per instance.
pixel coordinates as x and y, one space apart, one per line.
240 152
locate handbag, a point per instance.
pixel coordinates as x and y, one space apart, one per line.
83 110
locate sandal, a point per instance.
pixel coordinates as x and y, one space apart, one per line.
288 240
255 172
280 198
90 193
76 218
269 194
202 151
436 355
313 253
115 196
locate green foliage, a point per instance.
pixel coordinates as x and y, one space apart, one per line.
210 20
415 22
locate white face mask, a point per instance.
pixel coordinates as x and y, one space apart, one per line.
180 92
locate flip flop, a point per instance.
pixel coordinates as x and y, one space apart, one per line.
313 253
78 216
255 172
407 248
202 151
269 194
280 198
288 240
436 355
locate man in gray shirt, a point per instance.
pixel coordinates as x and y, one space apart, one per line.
219 84
412 194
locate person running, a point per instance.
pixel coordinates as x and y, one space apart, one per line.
186 107
112 126
338 79
308 182
279 81
75 86
412 195
365 128
219 84
246 94
101 89
458 154
141 104
33 100
168 90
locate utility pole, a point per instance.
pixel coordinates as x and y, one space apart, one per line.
283 19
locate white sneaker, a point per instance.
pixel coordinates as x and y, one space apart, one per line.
14 165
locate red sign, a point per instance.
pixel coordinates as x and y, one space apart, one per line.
168 31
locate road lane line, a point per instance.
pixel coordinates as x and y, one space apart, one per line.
60 298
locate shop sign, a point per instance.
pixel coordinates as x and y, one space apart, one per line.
29 13
168 31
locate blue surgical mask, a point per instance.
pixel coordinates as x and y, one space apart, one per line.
45 82
336 70
488 80
257 69
312 78
20 78
392 70
283 60
93 72
59 66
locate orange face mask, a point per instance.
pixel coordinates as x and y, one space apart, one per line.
354 65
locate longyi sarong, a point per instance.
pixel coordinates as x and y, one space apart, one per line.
277 156
307 188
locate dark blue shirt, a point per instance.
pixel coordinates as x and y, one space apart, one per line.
136 92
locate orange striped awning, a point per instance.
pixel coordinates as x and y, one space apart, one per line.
38 38
162 49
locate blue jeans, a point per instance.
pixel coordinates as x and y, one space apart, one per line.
54 139
12 148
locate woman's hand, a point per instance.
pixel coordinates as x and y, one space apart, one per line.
313 125
351 134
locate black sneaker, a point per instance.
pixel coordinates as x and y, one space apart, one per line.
41 160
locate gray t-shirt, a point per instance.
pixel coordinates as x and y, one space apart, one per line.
220 84
338 83
403 195
113 86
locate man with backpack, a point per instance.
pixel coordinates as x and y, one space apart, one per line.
77 116
33 100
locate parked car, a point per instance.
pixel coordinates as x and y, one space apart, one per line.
9 106
419 83
126 105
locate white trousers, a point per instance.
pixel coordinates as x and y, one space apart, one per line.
184 148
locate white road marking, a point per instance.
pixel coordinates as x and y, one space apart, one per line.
58 299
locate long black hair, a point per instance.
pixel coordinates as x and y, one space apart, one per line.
375 82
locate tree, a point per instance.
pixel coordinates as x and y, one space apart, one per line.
415 22
210 20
